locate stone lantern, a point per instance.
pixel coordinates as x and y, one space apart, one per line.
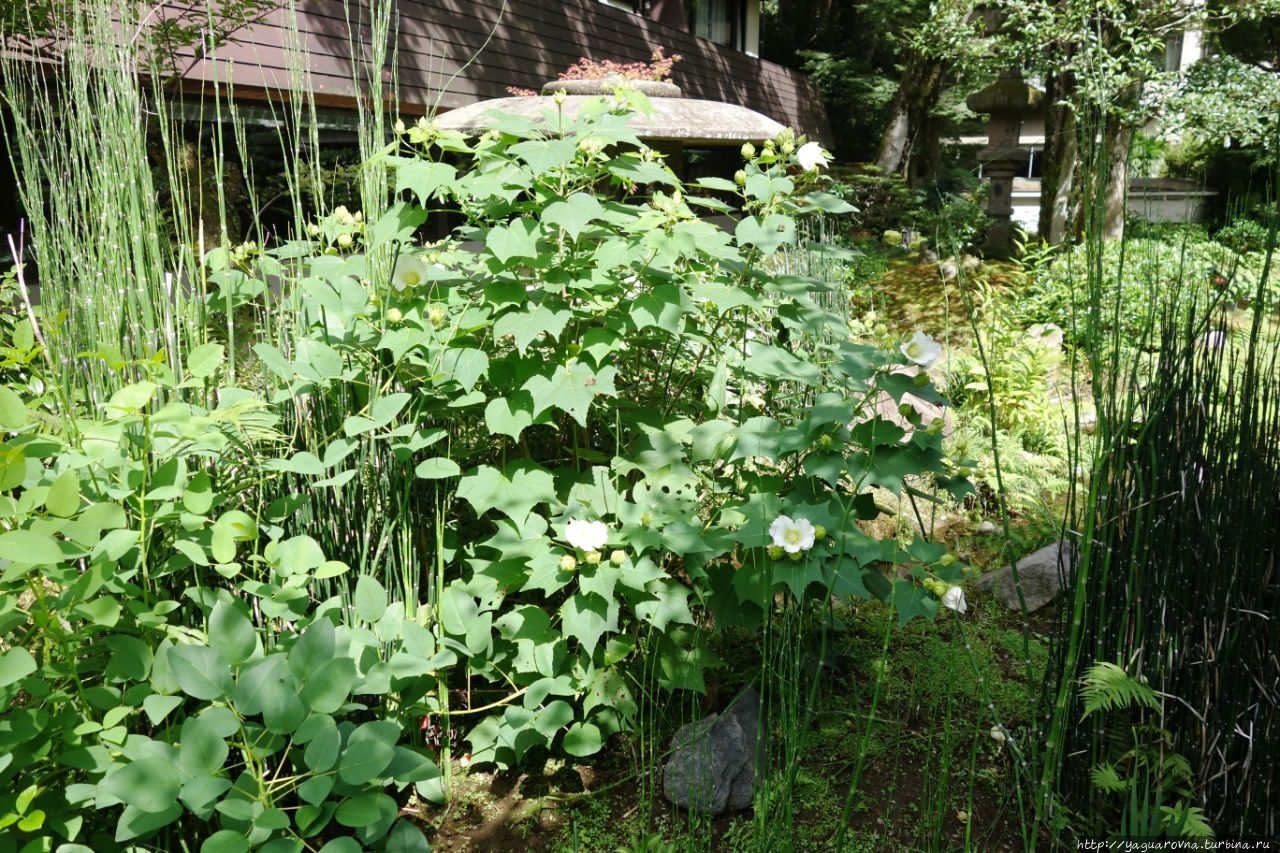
1006 102
675 122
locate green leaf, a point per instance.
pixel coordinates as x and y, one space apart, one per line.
64 495
437 468
664 306
157 707
297 555
488 488
267 686
406 838
130 398
381 413
198 498
200 794
525 326
519 239
828 203
324 745
368 752
398 224
149 784
327 688
345 844
509 416
587 617
27 547
571 388
458 610
200 672
466 366
13 412
135 822
543 155
583 739
372 813
766 234
231 634
424 178
574 213
225 841
204 360
315 647
370 598
201 750
15 665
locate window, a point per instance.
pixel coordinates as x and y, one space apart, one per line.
716 20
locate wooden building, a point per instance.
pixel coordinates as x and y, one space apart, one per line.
444 54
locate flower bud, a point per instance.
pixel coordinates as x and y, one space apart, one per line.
880 330
740 178
394 315
775 552
592 558
788 147
559 96
568 563
748 151
398 127
819 532
618 557
646 519
345 241
435 315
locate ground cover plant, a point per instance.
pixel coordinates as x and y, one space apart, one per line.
305 541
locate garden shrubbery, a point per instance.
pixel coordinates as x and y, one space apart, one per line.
598 429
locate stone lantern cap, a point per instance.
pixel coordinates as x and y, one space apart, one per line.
688 121
1008 94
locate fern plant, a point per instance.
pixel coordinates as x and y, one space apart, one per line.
1153 785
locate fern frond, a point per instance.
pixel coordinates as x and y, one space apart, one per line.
1107 687
1186 821
1106 777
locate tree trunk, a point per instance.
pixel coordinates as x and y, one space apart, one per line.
895 142
1119 138
909 114
1059 205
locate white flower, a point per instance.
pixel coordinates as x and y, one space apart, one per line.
811 157
409 273
792 536
922 349
586 535
954 599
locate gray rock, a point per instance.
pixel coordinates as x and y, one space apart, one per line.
712 767
1039 574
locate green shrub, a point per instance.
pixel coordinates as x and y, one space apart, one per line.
883 202
1243 236
599 426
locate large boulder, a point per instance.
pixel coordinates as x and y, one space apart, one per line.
712 767
1039 575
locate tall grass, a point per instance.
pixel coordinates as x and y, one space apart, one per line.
1172 573
110 275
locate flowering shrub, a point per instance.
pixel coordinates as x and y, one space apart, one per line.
657 68
576 377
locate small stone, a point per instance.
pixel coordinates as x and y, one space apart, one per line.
712 768
1040 575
